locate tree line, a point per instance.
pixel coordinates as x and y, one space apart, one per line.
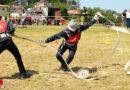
63 5
33 1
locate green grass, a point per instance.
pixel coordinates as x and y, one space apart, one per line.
91 51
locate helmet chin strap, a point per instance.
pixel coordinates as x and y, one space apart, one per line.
71 29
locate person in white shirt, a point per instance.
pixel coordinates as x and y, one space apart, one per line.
124 18
128 18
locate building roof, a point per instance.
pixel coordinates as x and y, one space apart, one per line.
3 5
20 1
46 4
17 7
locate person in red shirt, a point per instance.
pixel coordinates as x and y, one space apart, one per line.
6 43
62 21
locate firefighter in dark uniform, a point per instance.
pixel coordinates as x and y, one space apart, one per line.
7 29
71 37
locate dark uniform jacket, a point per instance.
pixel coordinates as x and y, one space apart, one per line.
64 35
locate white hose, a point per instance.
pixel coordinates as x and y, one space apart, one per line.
74 74
126 66
117 42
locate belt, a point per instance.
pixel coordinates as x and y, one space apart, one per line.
3 35
68 43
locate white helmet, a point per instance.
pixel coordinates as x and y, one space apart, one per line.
73 25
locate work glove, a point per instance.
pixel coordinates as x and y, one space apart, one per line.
99 14
42 41
96 17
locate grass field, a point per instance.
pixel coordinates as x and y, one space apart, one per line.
40 62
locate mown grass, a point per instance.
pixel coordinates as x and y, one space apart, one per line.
40 62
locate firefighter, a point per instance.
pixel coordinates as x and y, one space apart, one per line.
71 37
6 30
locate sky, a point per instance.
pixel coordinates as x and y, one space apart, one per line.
117 5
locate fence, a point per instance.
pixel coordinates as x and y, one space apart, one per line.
51 20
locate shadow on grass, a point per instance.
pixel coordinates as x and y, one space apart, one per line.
76 69
16 75
94 69
111 65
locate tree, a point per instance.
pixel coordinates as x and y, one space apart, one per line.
64 12
63 7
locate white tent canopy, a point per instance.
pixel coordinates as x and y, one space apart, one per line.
15 15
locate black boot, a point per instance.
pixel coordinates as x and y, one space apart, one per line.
60 68
64 68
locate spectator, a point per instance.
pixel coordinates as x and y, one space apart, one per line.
128 18
124 18
48 20
23 23
43 20
19 19
62 21
16 22
84 15
24 16
28 18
